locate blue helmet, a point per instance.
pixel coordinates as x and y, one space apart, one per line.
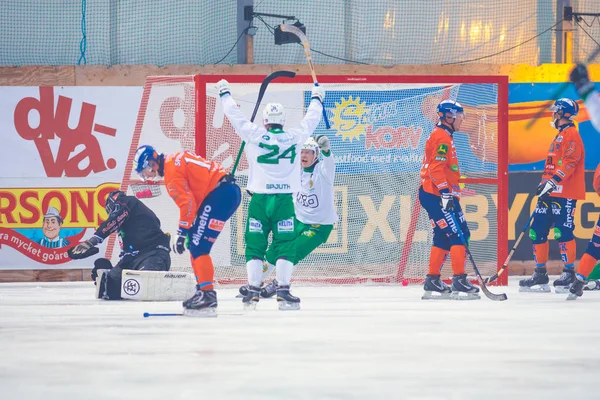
449 107
143 155
566 108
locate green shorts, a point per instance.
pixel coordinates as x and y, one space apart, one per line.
270 213
308 238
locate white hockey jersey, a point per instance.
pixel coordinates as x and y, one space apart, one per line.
273 158
314 203
593 105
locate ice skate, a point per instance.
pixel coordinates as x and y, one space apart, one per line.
462 289
594 284
537 283
251 299
202 304
243 291
562 284
286 300
576 289
435 288
269 290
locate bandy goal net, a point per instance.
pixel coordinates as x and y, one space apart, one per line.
379 125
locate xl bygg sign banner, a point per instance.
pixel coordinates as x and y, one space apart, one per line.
63 150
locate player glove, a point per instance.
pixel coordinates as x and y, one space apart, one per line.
323 142
318 93
545 188
223 87
181 243
447 201
85 249
579 76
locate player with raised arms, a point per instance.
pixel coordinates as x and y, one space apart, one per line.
314 206
439 194
207 197
273 176
563 183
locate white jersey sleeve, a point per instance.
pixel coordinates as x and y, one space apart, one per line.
593 105
248 131
327 167
315 202
309 123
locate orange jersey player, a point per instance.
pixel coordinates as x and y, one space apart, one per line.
207 197
439 194
592 253
563 183
586 89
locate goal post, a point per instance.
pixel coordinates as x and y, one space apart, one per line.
379 127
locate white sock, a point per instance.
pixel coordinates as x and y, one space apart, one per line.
270 268
283 272
254 269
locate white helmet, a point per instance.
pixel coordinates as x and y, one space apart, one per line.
273 114
310 144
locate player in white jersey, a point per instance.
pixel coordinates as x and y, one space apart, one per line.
314 205
273 176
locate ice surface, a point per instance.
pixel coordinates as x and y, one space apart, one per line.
57 342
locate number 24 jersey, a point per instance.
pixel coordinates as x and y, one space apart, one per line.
273 158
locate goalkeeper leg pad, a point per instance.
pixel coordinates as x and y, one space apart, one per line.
157 285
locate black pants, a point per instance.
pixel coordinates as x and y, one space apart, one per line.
156 259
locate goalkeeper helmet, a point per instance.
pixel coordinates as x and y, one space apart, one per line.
274 114
563 108
112 201
142 158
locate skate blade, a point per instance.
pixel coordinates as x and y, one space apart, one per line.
561 289
572 296
464 296
210 312
535 289
288 306
430 295
250 306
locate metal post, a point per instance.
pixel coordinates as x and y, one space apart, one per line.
544 14
244 43
558 56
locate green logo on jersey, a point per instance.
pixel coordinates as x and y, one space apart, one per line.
443 149
309 233
559 162
454 167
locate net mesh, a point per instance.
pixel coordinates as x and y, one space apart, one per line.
109 32
378 135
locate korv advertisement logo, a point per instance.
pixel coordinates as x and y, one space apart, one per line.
377 131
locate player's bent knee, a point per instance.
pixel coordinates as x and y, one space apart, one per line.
536 237
564 234
593 249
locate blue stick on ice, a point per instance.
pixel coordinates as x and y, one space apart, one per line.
147 314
